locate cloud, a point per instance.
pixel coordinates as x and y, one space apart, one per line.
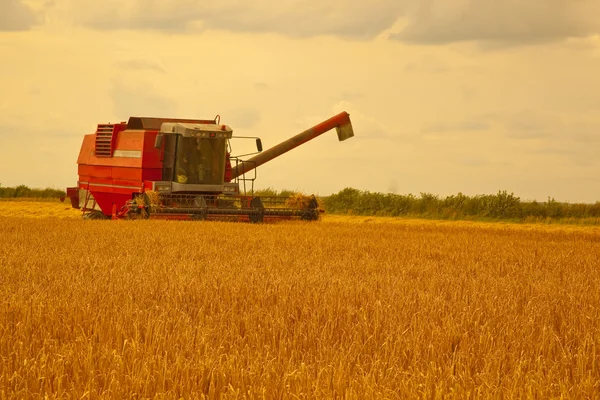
261 86
468 125
497 23
429 69
16 16
140 65
428 65
136 98
351 96
508 21
241 119
295 18
565 152
371 128
533 124
567 140
474 161
591 42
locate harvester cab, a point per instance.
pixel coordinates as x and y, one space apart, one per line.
195 157
183 169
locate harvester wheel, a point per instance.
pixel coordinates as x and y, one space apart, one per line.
256 218
257 204
201 206
310 215
143 213
201 216
138 208
95 214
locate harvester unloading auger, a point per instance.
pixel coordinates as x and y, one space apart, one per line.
183 169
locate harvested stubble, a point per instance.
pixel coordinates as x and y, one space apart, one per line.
140 308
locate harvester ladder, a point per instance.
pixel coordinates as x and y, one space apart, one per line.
87 200
243 179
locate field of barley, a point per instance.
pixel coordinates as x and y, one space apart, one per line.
340 308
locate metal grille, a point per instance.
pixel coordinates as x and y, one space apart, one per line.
104 136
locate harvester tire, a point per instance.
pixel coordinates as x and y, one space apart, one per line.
200 216
95 214
257 204
256 218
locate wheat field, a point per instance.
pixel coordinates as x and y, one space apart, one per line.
341 308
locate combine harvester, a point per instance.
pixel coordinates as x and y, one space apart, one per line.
183 169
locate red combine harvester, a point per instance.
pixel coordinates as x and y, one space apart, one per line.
183 169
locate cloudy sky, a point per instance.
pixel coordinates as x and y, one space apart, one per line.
446 96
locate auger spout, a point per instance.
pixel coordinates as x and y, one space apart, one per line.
340 122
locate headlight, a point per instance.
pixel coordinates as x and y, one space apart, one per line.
163 188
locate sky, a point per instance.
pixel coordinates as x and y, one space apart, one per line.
445 96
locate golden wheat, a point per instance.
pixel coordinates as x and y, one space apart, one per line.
389 309
298 200
38 209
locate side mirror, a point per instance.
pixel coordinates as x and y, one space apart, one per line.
158 141
258 145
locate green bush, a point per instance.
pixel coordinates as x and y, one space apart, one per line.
23 191
501 206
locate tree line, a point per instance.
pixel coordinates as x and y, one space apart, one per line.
23 191
500 206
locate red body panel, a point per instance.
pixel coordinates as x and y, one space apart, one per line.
113 180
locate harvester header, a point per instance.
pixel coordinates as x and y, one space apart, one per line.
183 169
